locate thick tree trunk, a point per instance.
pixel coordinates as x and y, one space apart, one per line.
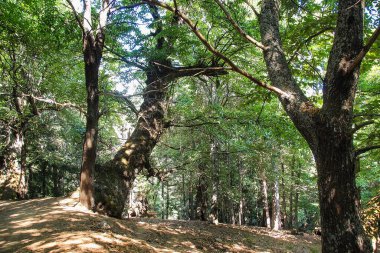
338 197
327 130
92 63
93 43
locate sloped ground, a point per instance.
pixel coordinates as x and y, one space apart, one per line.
61 225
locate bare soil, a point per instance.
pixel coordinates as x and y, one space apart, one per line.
62 225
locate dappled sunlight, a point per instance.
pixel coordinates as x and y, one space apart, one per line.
62 225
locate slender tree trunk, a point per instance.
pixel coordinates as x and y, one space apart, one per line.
163 200
191 202
264 189
291 193
276 198
283 207
295 221
201 197
241 176
214 212
22 183
167 200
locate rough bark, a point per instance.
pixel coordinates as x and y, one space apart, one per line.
327 130
93 44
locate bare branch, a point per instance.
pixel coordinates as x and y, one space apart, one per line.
366 115
128 102
57 105
355 62
307 41
360 151
252 8
126 7
78 19
124 59
238 28
216 52
361 125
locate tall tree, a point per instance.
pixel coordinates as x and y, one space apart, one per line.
327 129
93 44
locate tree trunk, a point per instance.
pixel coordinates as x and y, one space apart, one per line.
201 197
91 135
214 212
327 130
241 176
264 189
339 200
167 200
283 207
295 216
276 198
163 200
291 193
93 43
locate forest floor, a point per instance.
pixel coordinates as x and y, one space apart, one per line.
62 225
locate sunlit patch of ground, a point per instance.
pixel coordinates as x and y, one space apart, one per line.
62 225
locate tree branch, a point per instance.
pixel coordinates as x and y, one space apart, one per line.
129 103
366 149
76 15
218 54
252 8
361 125
357 60
238 28
307 41
57 105
124 59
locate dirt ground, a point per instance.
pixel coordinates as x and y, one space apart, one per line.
62 225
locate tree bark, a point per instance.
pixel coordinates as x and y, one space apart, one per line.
327 130
93 43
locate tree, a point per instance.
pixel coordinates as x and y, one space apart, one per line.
93 44
327 129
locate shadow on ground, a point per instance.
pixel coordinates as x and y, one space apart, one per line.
62 225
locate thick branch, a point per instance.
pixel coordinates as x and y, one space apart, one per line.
238 28
360 151
363 52
218 54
